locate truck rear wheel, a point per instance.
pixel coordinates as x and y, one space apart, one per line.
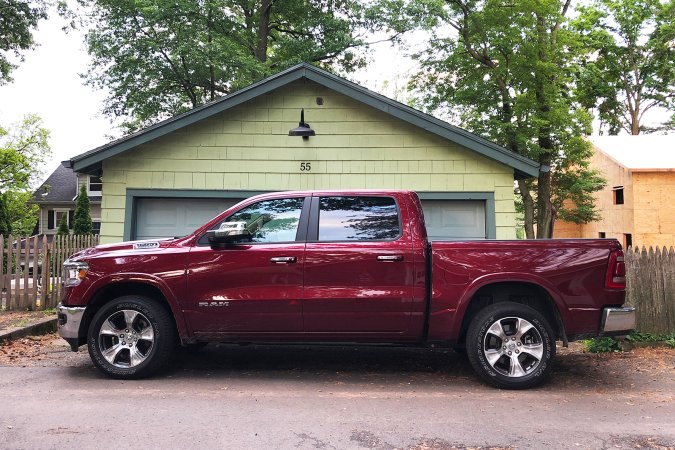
131 337
510 346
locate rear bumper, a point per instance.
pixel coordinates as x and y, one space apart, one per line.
617 321
68 325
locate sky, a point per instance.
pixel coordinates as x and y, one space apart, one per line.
47 84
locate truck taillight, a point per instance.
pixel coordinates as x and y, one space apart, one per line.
616 271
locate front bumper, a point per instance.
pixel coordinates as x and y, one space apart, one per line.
68 324
617 321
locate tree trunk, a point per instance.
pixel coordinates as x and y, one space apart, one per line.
635 122
528 207
525 194
544 207
546 146
263 31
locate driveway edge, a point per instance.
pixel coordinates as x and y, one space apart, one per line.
43 326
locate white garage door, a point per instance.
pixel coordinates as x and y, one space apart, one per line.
169 217
454 219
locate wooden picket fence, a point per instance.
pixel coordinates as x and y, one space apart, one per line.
650 279
31 269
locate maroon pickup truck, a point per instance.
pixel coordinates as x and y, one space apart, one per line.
347 267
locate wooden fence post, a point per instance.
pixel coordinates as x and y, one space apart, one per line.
46 273
17 270
26 303
651 288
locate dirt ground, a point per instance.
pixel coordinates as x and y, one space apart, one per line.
11 319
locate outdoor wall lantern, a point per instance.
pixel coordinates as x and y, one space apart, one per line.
303 128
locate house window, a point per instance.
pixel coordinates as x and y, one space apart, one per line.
54 218
618 195
95 185
602 235
96 226
627 240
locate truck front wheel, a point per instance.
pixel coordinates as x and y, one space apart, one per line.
131 337
510 345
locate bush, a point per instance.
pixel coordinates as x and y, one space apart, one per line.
636 336
602 345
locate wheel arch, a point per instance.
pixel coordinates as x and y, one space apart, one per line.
142 287
523 291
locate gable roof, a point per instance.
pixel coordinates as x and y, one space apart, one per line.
646 152
524 167
60 186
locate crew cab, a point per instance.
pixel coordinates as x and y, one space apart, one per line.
342 267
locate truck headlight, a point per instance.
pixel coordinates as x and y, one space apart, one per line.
74 272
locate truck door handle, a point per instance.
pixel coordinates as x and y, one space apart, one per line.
390 258
283 259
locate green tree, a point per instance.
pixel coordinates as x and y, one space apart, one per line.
23 152
82 217
23 216
63 229
5 221
18 19
159 58
630 64
505 72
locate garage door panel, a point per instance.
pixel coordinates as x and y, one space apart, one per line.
156 216
169 217
195 214
454 219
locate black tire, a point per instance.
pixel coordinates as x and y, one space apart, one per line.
505 356
131 337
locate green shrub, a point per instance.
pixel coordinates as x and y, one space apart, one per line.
602 345
637 336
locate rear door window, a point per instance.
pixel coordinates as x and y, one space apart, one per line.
358 219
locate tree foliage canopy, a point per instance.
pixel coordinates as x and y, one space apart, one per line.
23 152
506 73
629 67
18 19
162 57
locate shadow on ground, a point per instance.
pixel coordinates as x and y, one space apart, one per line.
641 369
422 366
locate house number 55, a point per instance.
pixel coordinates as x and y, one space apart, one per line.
305 167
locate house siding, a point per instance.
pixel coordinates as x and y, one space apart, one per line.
654 208
247 148
648 212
